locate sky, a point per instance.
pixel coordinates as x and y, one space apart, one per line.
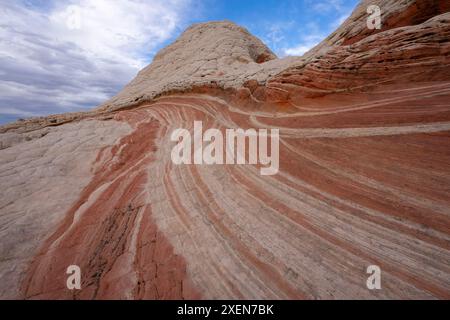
66 56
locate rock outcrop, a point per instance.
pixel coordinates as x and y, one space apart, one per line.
364 179
216 54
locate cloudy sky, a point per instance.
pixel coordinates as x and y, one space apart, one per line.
59 56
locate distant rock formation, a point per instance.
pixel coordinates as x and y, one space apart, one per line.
364 177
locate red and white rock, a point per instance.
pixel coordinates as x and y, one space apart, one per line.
364 178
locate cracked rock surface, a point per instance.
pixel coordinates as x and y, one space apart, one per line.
364 176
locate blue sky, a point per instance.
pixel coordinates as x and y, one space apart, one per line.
287 27
62 56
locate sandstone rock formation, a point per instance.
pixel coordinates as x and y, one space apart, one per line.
364 175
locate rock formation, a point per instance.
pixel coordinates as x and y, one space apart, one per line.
364 176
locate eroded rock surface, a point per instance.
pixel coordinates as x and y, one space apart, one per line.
216 54
40 180
364 176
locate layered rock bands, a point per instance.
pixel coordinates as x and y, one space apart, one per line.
364 175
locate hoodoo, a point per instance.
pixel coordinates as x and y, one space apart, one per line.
362 184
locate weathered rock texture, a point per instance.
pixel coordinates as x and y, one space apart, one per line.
364 176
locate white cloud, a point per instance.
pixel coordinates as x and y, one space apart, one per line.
273 34
117 29
298 50
325 6
305 44
315 33
78 54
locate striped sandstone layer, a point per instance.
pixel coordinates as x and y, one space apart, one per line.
364 176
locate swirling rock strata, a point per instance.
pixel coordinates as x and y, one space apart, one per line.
364 180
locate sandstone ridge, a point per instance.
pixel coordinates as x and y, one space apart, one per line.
218 54
364 121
